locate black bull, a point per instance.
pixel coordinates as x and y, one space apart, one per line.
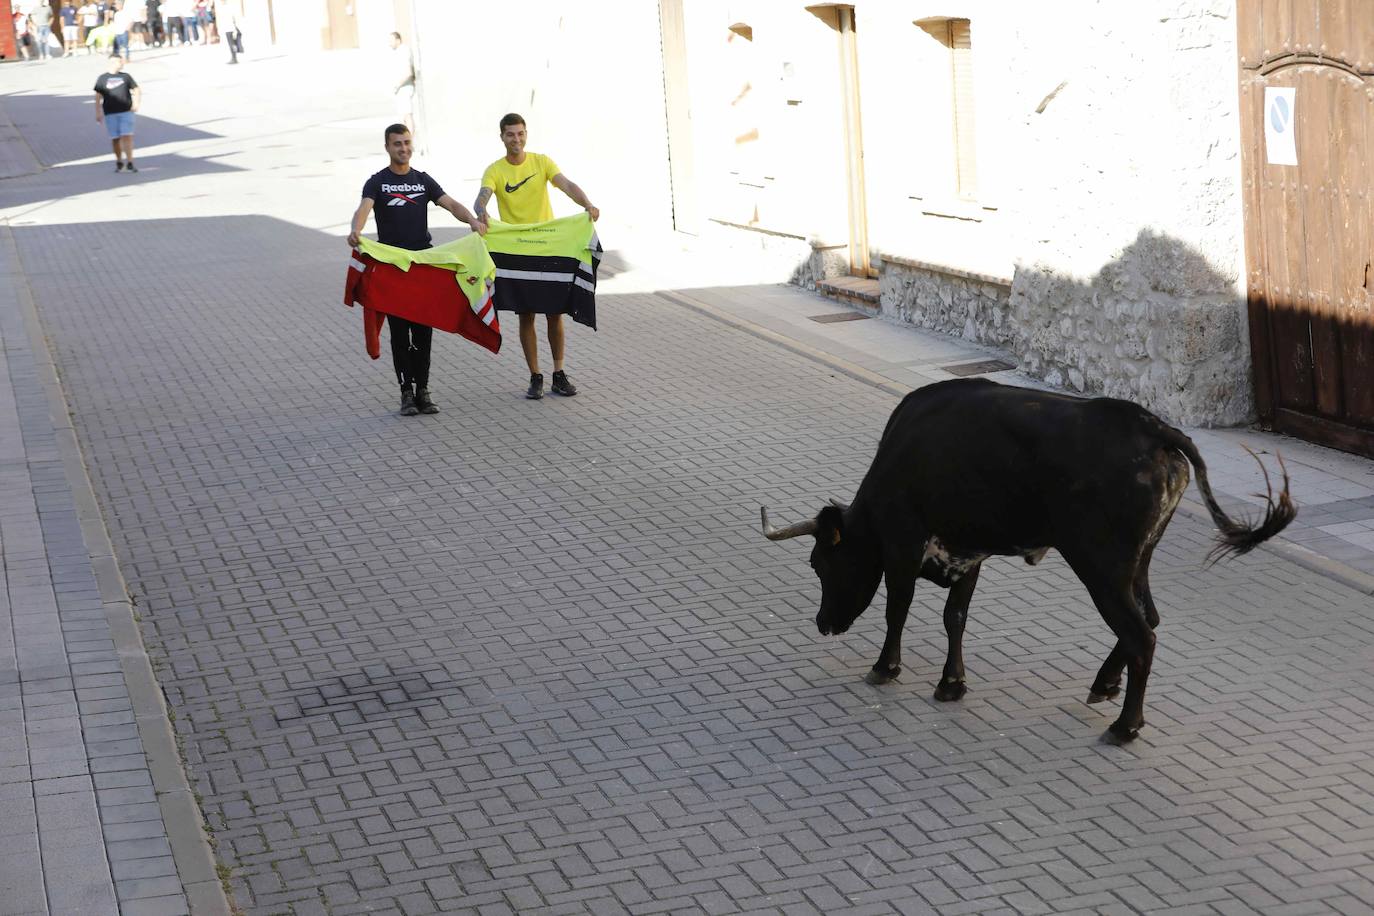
969 469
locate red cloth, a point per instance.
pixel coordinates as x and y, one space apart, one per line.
424 294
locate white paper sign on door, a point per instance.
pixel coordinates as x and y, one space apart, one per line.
1280 125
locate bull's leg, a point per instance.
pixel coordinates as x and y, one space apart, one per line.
1114 595
901 587
951 686
1108 682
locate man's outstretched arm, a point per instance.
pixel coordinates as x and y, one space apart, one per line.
479 206
359 221
579 197
463 214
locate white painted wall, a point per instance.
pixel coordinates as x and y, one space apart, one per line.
588 79
299 24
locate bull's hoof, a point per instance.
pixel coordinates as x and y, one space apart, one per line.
1098 694
948 691
880 675
1120 733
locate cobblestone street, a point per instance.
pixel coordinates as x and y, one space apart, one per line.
536 657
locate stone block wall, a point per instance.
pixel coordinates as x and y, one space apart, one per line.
1158 325
972 306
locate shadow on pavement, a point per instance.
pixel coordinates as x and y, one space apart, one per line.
68 180
78 136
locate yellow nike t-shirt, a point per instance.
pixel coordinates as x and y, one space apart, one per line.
522 191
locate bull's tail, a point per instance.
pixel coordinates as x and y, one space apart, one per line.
1235 537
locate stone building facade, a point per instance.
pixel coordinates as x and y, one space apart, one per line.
1065 187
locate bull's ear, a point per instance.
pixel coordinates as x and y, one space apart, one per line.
830 525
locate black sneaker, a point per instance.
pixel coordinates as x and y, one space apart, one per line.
408 408
119 166
423 402
562 386
536 390
130 167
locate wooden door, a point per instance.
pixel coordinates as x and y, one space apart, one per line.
1309 226
342 31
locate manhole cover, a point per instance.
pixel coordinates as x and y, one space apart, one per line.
838 316
979 368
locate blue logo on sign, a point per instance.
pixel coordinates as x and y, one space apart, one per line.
1279 115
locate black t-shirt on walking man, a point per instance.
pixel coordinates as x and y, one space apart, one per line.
116 92
401 205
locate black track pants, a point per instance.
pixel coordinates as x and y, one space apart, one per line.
410 350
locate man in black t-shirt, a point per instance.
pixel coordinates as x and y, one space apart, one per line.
116 99
404 195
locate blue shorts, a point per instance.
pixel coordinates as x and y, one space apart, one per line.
120 124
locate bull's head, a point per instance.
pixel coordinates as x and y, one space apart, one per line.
849 565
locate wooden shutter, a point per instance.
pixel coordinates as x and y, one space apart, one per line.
965 154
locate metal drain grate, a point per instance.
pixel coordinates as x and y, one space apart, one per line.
982 367
838 316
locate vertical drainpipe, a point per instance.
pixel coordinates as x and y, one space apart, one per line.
421 121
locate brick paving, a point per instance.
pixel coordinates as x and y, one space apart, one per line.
81 827
535 657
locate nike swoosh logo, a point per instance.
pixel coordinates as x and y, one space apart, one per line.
511 189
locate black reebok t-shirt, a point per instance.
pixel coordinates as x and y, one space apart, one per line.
401 205
116 92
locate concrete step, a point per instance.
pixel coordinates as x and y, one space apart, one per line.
858 291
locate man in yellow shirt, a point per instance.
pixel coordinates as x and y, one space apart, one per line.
520 181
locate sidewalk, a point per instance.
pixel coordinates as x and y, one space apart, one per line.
1333 533
96 815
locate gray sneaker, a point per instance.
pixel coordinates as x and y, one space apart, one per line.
536 389
408 408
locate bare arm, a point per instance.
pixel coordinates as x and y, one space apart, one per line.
480 205
561 182
462 214
138 97
99 108
360 216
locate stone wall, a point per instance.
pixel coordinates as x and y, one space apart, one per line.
1157 325
972 306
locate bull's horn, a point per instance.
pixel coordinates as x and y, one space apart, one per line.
791 531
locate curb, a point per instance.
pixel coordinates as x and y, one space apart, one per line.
1310 560
842 366
181 814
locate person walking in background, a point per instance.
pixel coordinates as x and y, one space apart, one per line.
153 23
203 12
123 21
42 27
117 96
403 80
227 24
23 43
71 33
192 22
89 14
520 181
403 222
176 20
